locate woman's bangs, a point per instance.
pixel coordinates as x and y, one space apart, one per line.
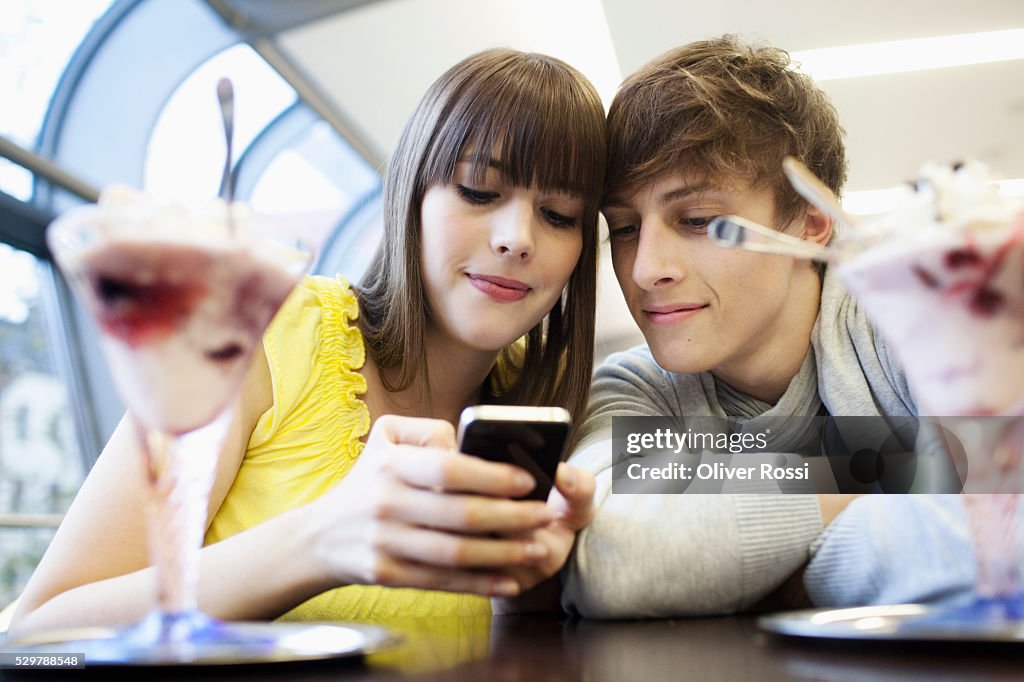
542 134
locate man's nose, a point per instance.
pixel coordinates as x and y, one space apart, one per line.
657 261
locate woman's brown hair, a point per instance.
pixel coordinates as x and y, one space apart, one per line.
547 122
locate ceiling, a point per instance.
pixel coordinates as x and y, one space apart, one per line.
370 61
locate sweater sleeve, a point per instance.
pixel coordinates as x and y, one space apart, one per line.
662 555
894 549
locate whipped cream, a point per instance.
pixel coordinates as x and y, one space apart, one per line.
123 212
944 202
940 279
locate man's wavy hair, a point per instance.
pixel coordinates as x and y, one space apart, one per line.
727 110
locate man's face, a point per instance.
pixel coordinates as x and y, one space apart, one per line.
700 306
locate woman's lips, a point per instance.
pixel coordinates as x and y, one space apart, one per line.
500 288
663 315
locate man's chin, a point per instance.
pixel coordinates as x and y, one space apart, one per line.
677 358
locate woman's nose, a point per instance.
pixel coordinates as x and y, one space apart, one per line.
513 232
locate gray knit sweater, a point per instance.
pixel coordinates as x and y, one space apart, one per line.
653 555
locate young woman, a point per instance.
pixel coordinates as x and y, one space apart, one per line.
339 480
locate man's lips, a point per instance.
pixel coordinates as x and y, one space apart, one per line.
672 313
500 288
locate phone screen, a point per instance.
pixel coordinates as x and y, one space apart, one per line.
535 446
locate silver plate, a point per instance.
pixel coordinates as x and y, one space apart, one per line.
277 643
900 622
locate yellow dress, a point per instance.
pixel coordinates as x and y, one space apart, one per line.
310 438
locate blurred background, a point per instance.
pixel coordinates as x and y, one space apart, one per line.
101 91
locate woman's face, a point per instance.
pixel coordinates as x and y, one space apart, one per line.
495 257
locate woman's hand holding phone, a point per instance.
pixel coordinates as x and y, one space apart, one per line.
572 503
534 439
413 512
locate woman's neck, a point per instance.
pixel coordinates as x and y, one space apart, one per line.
456 376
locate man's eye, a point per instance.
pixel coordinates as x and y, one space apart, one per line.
623 233
697 224
475 196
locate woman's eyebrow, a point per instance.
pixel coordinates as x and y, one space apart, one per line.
496 164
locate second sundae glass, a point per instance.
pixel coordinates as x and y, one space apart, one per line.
941 278
181 298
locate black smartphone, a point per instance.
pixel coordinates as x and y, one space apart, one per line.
532 438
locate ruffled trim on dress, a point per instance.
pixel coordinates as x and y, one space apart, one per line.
343 352
314 351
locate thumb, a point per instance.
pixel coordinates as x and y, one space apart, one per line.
397 430
573 497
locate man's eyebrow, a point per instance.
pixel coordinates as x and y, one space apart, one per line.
683 192
618 201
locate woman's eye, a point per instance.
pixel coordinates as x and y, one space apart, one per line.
475 196
557 219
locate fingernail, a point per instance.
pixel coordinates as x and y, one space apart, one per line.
536 550
523 480
506 588
545 514
569 478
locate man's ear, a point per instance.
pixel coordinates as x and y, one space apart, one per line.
817 226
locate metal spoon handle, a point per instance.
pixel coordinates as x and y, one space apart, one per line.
226 99
814 190
739 233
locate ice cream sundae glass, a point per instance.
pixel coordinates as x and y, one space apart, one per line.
941 278
181 297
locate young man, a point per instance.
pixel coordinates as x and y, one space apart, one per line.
701 132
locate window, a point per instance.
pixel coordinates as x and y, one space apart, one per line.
287 159
40 463
60 64
186 149
37 38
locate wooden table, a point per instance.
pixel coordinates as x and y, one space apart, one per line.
541 648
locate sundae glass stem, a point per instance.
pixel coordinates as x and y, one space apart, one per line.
992 448
993 527
179 474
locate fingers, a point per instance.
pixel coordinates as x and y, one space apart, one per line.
468 513
456 472
573 496
421 452
395 572
438 548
